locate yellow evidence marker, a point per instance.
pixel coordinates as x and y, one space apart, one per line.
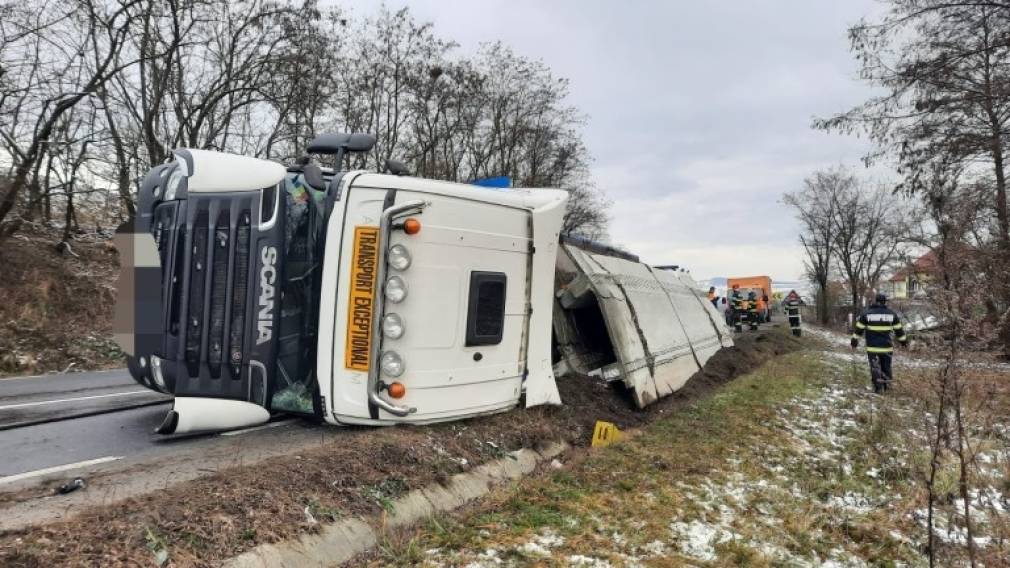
604 434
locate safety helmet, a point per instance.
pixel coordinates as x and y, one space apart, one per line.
880 299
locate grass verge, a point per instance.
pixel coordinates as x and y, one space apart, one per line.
772 470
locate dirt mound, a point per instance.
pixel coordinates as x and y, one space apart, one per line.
57 307
587 400
207 520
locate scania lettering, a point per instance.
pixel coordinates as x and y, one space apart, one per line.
251 289
268 274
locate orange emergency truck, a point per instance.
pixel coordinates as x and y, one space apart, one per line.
762 288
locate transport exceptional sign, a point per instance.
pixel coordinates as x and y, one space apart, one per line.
361 305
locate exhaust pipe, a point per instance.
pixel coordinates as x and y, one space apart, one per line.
199 414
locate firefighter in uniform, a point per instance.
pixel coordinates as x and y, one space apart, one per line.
877 323
739 307
752 310
792 305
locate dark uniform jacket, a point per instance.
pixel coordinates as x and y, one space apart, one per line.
877 323
739 302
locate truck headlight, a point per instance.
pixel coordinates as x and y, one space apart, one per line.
396 289
399 257
392 326
391 364
156 373
172 186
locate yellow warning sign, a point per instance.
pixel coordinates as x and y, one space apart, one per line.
604 434
361 304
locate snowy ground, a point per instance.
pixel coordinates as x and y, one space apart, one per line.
917 358
827 479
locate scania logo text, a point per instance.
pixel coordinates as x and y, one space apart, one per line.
268 278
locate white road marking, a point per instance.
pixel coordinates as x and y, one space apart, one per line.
23 378
62 400
57 375
261 427
57 469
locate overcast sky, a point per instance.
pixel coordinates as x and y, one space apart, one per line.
699 112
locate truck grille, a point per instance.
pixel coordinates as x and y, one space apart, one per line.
195 330
239 290
218 294
206 271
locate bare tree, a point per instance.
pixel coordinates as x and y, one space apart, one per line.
59 53
944 72
814 205
868 228
849 226
263 77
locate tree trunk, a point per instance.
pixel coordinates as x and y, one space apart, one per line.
1001 205
68 218
1004 244
822 303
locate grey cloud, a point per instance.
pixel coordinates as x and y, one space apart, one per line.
699 112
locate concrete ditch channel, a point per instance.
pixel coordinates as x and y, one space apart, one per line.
339 542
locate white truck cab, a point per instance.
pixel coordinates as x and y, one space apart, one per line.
438 297
249 289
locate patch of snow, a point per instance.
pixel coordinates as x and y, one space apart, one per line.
698 539
488 556
534 549
542 543
579 560
655 548
851 503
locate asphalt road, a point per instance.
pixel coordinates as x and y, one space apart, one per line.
103 436
54 420
54 425
26 400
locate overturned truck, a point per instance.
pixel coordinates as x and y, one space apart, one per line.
250 289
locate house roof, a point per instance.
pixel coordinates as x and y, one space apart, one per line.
928 262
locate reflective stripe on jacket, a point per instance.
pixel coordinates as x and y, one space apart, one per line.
877 323
739 303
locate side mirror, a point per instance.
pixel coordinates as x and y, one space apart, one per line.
328 143
360 142
339 142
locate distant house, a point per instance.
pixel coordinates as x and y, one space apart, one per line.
910 282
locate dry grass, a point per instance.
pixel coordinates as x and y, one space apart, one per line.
57 309
204 521
795 464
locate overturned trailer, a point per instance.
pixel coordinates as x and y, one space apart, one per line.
250 289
